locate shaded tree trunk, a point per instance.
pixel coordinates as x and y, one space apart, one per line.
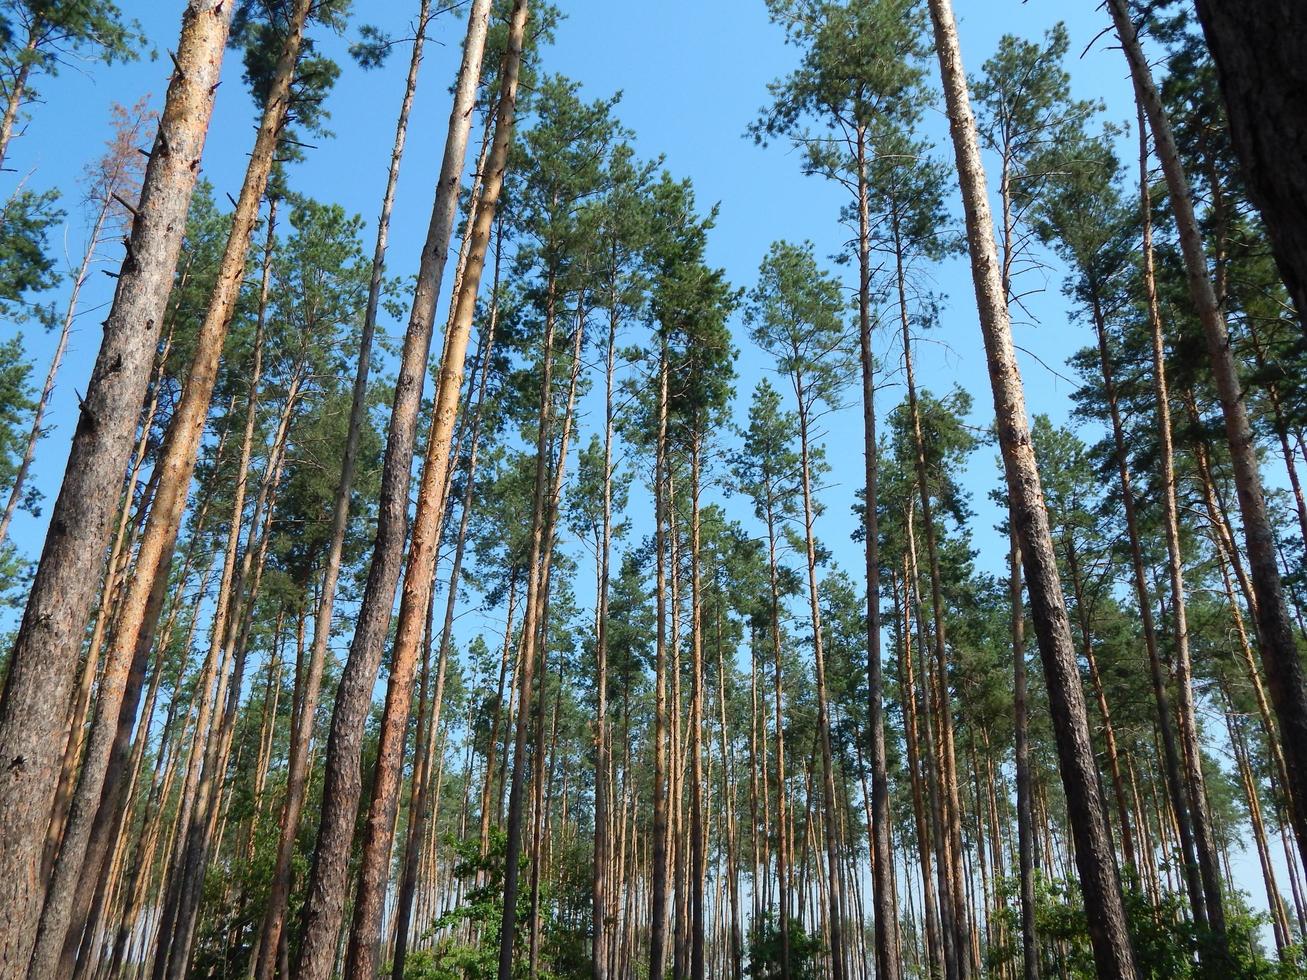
1262 77
1285 672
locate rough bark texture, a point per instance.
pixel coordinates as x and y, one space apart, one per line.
428 522
274 917
1263 75
1284 667
43 662
1099 882
324 906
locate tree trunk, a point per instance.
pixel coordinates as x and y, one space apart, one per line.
599 883
18 88
1026 859
44 657
302 733
698 828
1262 76
535 623
835 909
34 434
658 858
424 536
325 902
1284 668
418 813
1098 876
1204 841
948 758
888 954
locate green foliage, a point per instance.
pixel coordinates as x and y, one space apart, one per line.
764 952
26 219
38 37
796 314
481 910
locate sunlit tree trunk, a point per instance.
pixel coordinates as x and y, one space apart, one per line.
43 661
1099 881
324 907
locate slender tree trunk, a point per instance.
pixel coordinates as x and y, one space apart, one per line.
934 944
835 909
1026 844
424 536
888 954
418 814
17 89
535 623
698 828
1204 841
1099 881
658 857
1285 672
1165 715
302 733
324 907
43 661
34 434
599 884
948 759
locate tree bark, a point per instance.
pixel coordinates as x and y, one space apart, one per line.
1026 859
888 954
324 907
302 733
1262 76
424 536
1099 881
44 657
1204 841
1285 672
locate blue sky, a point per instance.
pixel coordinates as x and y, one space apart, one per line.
693 75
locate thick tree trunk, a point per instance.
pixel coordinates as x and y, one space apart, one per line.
302 733
1285 672
177 460
1262 77
420 805
1099 881
324 907
44 657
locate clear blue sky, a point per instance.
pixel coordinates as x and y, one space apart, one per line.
693 75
